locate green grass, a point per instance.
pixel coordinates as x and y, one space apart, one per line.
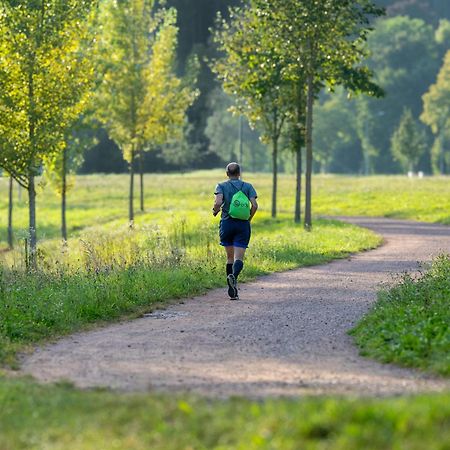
59 417
101 201
409 324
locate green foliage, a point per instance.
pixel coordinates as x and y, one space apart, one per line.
334 129
45 79
222 130
140 100
436 114
409 141
404 57
251 69
410 322
61 417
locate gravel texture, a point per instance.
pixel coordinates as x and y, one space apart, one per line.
287 335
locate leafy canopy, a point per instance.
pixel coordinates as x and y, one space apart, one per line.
45 79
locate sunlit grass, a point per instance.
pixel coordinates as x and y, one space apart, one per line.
410 323
101 200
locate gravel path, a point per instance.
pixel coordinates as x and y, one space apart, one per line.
286 336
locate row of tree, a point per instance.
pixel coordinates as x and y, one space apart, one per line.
278 56
66 65
356 134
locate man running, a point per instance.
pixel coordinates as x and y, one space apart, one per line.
234 233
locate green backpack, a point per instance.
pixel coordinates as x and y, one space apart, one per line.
240 205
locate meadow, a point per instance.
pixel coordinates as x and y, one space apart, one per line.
99 202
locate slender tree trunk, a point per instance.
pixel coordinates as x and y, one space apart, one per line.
298 183
141 175
32 260
131 193
299 145
10 213
63 196
309 159
241 137
275 174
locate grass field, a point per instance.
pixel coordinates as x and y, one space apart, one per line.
59 417
102 200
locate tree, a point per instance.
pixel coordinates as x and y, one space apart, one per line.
139 99
225 130
251 72
404 71
320 43
436 114
334 132
409 142
45 79
167 97
10 213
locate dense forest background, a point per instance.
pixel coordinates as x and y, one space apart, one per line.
404 55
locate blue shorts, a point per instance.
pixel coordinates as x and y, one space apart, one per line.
235 233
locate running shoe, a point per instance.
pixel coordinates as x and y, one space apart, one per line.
232 287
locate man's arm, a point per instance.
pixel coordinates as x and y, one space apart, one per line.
218 200
253 208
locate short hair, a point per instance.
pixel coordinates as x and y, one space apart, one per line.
233 169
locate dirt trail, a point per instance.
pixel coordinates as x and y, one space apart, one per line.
286 336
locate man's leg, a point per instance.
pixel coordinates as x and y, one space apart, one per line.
230 259
238 260
231 281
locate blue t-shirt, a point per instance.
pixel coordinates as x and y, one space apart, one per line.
228 189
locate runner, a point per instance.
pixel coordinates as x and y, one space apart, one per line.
234 229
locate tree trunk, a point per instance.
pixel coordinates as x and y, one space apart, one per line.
298 184
32 260
275 175
63 197
241 137
141 175
309 159
10 212
131 193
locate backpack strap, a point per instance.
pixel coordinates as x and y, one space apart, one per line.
237 189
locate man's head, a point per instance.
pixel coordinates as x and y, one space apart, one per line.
233 170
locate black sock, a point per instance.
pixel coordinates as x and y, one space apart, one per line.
237 267
229 268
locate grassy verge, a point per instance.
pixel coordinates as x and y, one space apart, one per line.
126 272
410 322
58 417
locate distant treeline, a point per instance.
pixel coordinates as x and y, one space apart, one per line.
211 123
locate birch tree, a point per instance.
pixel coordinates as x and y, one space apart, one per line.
321 44
45 78
139 100
251 73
